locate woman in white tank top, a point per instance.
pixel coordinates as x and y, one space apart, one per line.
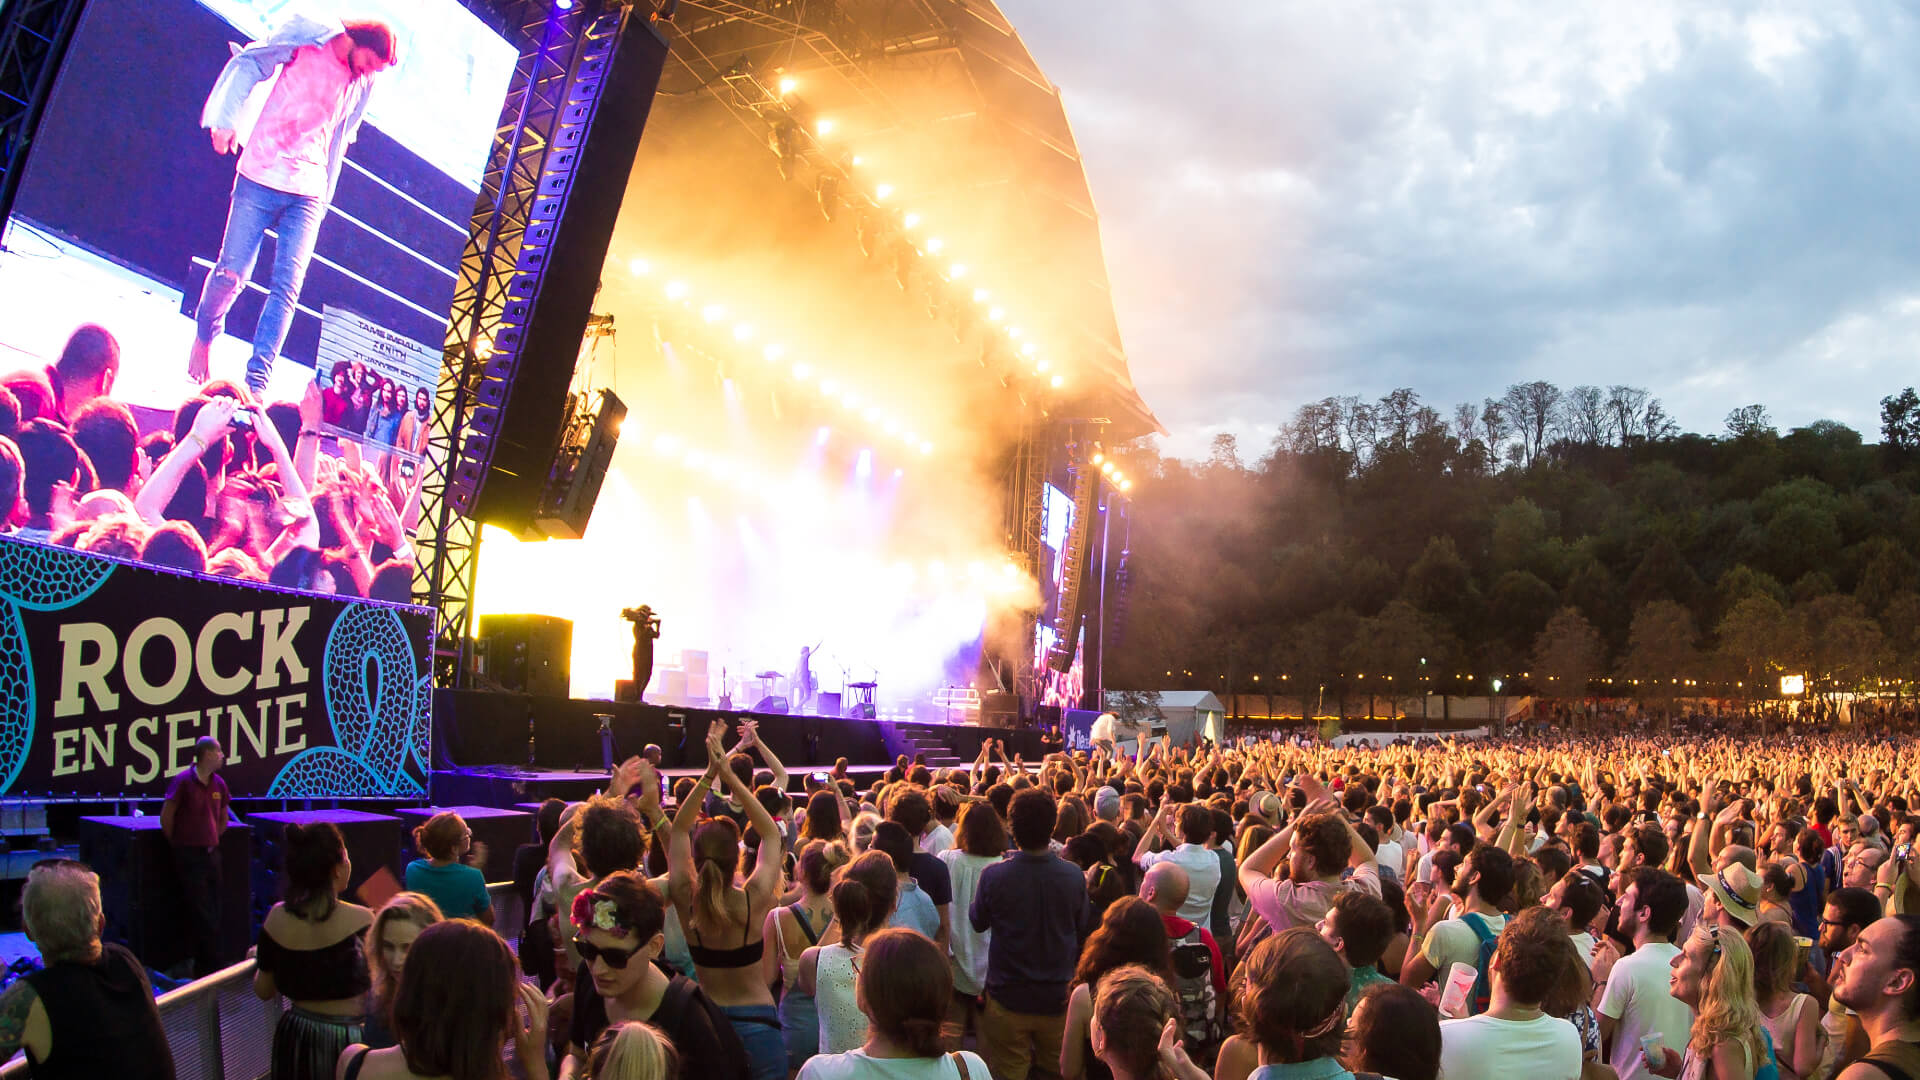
863 900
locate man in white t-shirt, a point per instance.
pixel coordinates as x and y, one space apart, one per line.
1515 1039
1637 1001
1480 883
1192 855
1389 853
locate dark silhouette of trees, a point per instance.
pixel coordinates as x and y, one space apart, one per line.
1550 538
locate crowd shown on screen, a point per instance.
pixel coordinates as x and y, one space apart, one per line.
1530 908
223 485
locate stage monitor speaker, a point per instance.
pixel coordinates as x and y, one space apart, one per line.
998 709
777 705
141 894
528 654
514 430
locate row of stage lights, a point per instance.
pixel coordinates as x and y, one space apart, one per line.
1112 472
834 390
880 197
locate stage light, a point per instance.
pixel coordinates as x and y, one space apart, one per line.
1119 477
892 428
957 271
664 443
1106 467
934 244
824 128
774 352
996 314
563 5
640 267
742 332
1041 367
788 84
898 473
1029 349
911 221
820 437
801 371
829 387
1014 331
881 192
676 290
926 448
850 399
483 346
858 161
980 296
1097 459
1059 381
713 313
872 414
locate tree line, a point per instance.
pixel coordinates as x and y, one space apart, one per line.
1568 542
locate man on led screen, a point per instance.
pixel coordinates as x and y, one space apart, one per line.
289 165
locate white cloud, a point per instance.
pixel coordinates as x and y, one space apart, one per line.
1301 199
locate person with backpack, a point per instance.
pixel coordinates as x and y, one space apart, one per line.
1199 972
1480 884
1515 1038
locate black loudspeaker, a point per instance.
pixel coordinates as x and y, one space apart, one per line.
585 454
502 831
514 431
373 844
528 654
140 889
1000 710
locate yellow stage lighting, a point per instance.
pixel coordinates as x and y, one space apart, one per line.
996 314
1042 367
788 84
957 271
926 448
1059 381
911 221
713 312
483 346
742 332
1107 467
934 245
676 290
801 371
1097 458
824 127
1014 331
980 296
1029 349
774 352
829 387
640 267
882 192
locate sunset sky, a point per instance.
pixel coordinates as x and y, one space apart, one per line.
1716 201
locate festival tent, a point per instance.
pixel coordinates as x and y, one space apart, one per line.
1186 715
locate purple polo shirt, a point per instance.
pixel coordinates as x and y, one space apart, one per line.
197 809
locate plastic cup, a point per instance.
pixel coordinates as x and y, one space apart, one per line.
1650 1050
1454 996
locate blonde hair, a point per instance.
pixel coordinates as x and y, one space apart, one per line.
860 830
632 1050
1727 1011
410 907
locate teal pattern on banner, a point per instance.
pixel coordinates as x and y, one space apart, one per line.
109 670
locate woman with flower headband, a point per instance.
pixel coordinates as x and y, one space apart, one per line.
619 934
701 866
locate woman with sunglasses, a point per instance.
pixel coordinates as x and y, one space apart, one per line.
621 925
724 922
1713 976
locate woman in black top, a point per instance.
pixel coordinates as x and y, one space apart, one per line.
89 1012
312 950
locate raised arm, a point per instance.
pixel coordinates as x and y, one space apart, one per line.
210 423
750 733
766 869
680 872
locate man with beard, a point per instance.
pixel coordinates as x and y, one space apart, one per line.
1482 882
1878 977
1847 913
1638 1001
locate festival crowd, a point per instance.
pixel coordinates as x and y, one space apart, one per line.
224 484
1709 908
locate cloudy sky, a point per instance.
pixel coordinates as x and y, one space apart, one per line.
1716 201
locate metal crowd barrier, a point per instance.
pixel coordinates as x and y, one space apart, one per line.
219 1029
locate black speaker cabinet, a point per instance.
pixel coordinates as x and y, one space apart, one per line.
140 889
502 831
528 654
373 842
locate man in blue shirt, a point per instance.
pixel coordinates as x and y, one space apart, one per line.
1035 903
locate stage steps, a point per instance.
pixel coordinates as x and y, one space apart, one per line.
930 740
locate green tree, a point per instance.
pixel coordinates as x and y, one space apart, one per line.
1900 421
1518 607
1844 647
1440 584
1661 654
1757 641
1567 656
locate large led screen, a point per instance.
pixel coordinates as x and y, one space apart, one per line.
226 280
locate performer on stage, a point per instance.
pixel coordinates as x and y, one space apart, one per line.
289 164
802 686
1109 729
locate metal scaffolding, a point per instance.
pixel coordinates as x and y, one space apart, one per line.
34 35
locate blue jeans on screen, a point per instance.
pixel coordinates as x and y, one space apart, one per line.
295 221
